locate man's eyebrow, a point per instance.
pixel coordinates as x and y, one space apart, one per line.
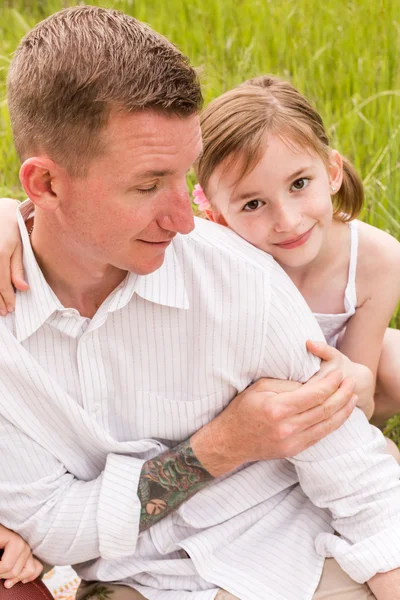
152 173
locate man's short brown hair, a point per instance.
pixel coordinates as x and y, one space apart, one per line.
78 64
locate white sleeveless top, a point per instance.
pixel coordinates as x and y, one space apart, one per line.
332 325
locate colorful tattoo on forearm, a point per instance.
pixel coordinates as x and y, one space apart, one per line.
167 481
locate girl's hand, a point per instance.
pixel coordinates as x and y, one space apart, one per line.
17 562
333 360
11 267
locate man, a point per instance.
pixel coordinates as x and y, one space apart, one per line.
120 366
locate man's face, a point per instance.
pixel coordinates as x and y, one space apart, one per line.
133 199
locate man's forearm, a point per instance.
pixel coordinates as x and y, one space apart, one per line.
167 481
386 586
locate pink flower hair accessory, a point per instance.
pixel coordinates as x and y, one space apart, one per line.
200 198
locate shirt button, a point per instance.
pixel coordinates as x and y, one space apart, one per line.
96 408
68 313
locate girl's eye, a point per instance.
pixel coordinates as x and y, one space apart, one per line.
252 205
300 184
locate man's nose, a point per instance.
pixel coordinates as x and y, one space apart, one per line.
178 213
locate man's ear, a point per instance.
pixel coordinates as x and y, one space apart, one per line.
37 176
216 217
335 171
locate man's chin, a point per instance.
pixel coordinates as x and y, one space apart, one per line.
145 267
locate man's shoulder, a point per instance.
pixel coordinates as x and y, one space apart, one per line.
211 239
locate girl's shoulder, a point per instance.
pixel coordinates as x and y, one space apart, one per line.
377 247
378 257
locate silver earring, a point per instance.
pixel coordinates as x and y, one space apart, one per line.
333 189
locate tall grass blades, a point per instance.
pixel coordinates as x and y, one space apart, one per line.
344 56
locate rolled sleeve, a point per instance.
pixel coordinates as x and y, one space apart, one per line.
377 554
67 520
119 507
351 474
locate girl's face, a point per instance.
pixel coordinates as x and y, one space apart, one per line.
283 206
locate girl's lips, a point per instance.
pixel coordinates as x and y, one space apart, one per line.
299 241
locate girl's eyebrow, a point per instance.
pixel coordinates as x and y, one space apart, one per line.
293 176
257 193
246 196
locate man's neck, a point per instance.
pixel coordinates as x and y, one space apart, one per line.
77 283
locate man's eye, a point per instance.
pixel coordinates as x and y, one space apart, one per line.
300 184
252 205
147 190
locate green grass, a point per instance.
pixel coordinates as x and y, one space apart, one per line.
344 55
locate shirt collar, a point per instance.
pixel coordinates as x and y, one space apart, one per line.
34 307
165 286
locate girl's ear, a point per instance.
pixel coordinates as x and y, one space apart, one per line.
216 217
335 171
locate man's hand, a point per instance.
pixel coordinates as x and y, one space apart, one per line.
274 420
17 562
270 419
11 267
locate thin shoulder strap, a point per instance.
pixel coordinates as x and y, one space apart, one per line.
351 292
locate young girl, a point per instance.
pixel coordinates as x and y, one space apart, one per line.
267 172
17 562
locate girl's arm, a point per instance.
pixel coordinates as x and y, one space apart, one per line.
378 290
17 562
332 360
11 267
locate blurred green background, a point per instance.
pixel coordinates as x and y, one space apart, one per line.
344 55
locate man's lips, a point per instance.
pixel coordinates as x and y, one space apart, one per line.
159 243
297 241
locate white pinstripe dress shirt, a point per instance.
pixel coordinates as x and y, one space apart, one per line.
83 403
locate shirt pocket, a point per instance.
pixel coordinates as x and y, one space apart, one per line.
158 417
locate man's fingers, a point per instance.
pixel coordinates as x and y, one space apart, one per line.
276 386
317 432
17 270
325 411
313 393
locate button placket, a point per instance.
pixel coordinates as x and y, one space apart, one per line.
92 376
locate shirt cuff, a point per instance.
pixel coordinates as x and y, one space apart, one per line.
379 553
118 516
